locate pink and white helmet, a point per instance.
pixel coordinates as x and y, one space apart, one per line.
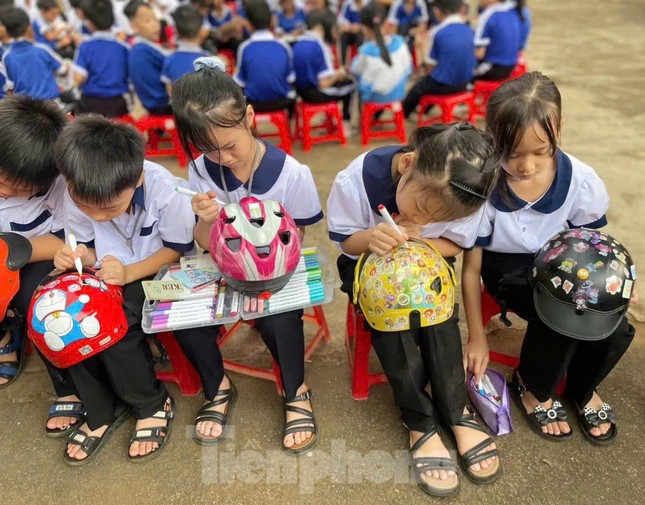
255 244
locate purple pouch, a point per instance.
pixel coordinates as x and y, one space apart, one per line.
494 409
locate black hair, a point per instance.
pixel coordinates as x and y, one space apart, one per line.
202 100
99 13
46 5
326 20
188 21
449 6
75 4
372 16
5 4
202 4
519 7
457 163
258 14
16 21
99 158
28 132
130 10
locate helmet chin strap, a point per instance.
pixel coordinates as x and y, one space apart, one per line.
254 167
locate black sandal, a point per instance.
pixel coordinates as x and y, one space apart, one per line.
90 445
157 434
421 465
71 409
10 370
540 416
227 396
590 418
307 423
473 455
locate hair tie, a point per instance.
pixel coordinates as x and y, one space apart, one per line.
212 62
468 189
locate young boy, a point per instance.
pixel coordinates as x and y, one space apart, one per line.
101 65
129 222
51 29
270 88
146 58
30 67
451 58
188 22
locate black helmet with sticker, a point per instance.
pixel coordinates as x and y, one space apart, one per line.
582 281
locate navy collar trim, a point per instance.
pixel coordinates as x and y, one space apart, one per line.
377 178
139 198
552 200
264 178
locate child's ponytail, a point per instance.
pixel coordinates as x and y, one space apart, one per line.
519 7
372 16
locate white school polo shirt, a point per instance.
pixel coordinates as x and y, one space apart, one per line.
36 215
577 197
364 185
279 177
165 219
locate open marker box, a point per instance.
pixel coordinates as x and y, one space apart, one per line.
312 283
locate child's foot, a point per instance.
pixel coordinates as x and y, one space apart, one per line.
57 420
211 430
299 438
596 404
556 428
76 451
467 438
150 433
432 448
11 357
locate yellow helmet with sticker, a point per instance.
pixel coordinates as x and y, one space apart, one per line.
411 286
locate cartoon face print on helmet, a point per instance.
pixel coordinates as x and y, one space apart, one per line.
582 282
15 252
255 244
73 317
411 286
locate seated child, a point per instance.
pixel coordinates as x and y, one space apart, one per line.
451 58
227 28
316 79
31 194
188 23
146 58
51 29
101 64
271 88
290 19
438 184
349 26
409 18
31 67
129 222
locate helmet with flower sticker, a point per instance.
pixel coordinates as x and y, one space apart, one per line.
411 286
255 244
15 251
72 317
582 282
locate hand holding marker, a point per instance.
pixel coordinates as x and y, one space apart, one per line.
388 219
77 261
188 192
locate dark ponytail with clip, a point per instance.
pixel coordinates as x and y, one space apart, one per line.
372 16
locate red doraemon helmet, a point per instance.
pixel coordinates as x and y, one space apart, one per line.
255 244
15 251
72 317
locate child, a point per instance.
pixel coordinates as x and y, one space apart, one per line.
410 20
498 38
269 89
51 29
451 58
188 22
226 26
290 19
101 64
212 115
31 68
349 26
129 222
438 185
382 66
316 79
147 58
543 191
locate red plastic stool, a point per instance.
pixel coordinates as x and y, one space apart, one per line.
447 103
368 122
229 58
358 354
183 373
273 374
280 119
156 145
482 91
333 123
520 67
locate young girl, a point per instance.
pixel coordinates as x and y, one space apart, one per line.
349 26
382 66
437 184
213 116
543 192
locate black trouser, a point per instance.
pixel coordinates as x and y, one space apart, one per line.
282 333
161 111
315 95
30 276
546 354
346 40
411 359
273 105
427 86
122 374
493 72
109 107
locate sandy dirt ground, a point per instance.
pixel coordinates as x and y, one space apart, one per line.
594 51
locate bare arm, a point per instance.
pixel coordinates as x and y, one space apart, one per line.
480 52
151 265
476 350
44 247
